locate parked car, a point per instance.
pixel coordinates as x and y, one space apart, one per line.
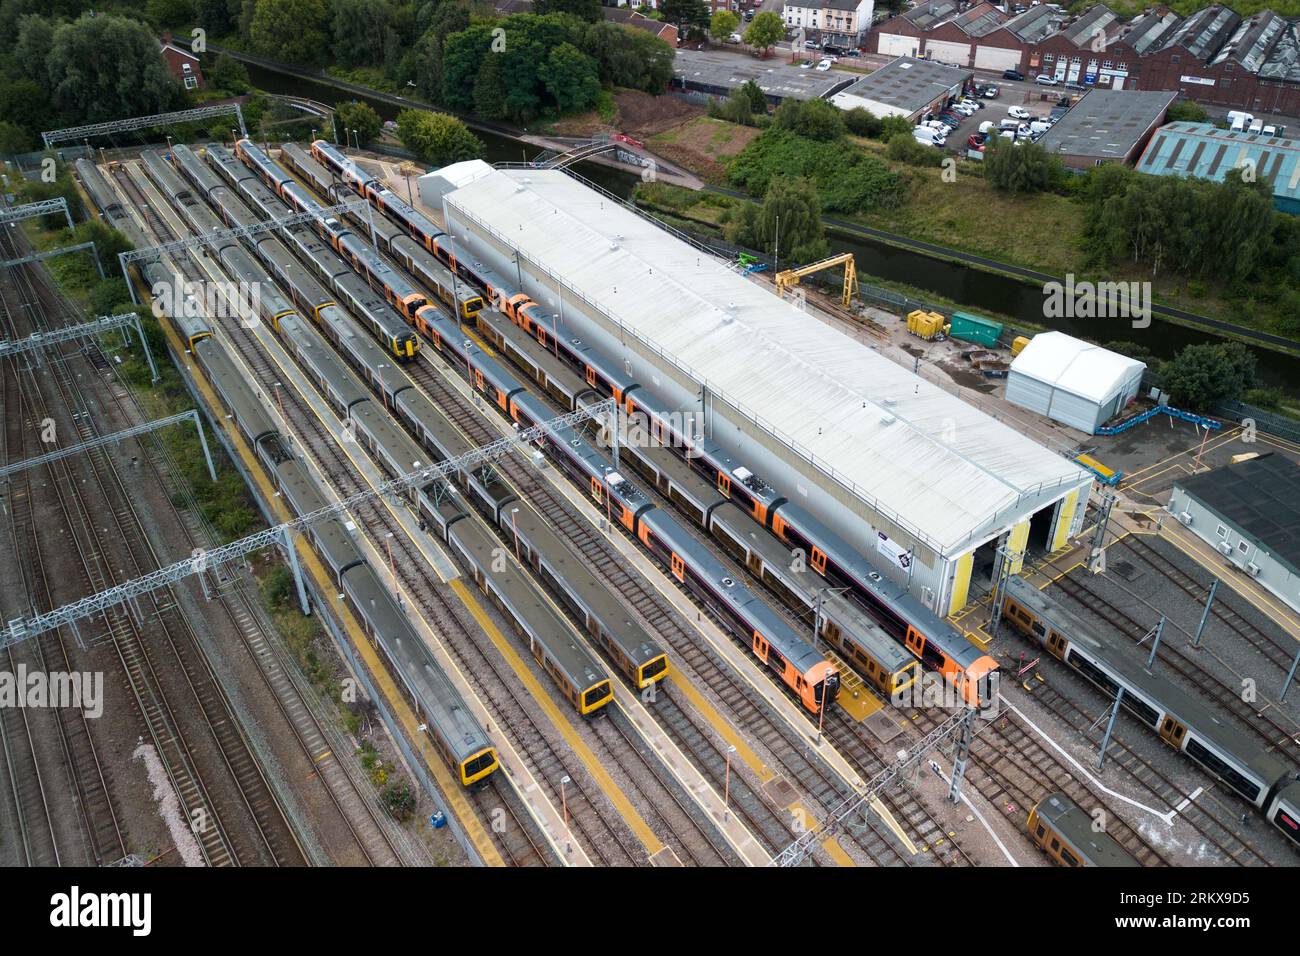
973 104
1017 112
1039 127
1012 75
734 38
749 14
929 136
976 140
806 65
963 108
1009 125
824 65
810 44
1008 134
990 93
1042 79
987 125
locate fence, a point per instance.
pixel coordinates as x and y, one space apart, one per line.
1264 420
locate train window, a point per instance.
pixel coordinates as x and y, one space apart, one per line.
1038 628
1056 844
1068 857
679 568
818 560
1233 777
1042 831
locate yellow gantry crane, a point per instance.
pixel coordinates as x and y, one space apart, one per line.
789 278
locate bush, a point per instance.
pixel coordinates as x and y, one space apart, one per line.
862 122
1200 376
904 148
847 179
814 119
398 799
437 138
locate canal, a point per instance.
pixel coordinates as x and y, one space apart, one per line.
976 289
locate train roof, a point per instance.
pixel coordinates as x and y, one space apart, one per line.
1070 821
199 172
668 529
442 703
241 401
1119 654
888 592
906 448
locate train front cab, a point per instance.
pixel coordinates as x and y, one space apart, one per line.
652 671
475 769
1049 841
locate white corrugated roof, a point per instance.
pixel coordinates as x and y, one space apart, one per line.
1075 366
939 466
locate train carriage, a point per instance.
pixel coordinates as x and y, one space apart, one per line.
1180 719
580 678
1284 812
1065 832
641 660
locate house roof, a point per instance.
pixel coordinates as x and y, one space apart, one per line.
1146 31
1252 41
1081 31
1202 33
1207 152
980 20
1036 23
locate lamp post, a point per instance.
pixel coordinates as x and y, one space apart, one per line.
564 803
726 787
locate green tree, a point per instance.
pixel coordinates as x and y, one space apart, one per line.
229 75
359 30
105 67
628 57
358 117
13 138
1200 376
425 62
490 89
1020 167
294 30
570 78
904 148
170 13
588 10
788 222
437 138
860 121
215 16
1186 111
814 119
685 14
754 93
765 31
723 24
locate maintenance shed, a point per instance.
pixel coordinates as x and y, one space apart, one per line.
909 473
1072 381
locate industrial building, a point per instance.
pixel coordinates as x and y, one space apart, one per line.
904 87
1207 152
1107 126
1072 381
1250 513
922 482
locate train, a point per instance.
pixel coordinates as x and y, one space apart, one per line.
321 304
860 641
460 297
1259 777
798 665
636 655
927 636
1064 831
412 304
453 728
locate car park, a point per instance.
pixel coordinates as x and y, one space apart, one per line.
1017 112
1042 79
1012 75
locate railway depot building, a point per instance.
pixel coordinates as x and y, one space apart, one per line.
923 484
1250 513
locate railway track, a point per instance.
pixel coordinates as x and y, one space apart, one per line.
1273 728
822 784
1265 643
590 818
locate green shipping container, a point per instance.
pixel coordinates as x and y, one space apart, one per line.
971 328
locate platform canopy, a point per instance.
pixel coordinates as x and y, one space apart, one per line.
921 456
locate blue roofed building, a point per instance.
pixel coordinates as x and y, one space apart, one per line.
1205 151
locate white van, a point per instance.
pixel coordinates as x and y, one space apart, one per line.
1009 124
1239 120
928 135
1038 127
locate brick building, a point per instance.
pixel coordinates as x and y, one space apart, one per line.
182 64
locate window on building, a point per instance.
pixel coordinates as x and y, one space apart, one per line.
1107 65
185 67
191 83
1049 58
1176 59
1221 531
1243 547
